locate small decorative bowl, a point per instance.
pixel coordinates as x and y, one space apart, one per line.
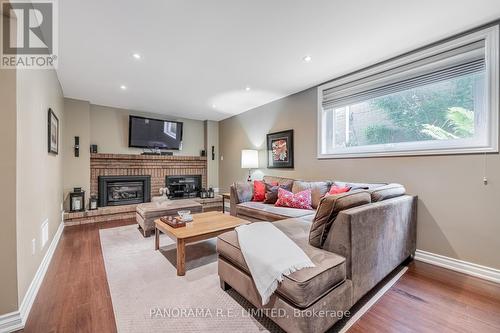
185 215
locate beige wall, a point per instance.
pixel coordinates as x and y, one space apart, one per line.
212 139
76 169
457 215
39 174
31 177
109 130
8 260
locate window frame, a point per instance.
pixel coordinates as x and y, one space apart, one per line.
491 36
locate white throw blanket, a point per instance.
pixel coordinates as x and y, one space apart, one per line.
269 255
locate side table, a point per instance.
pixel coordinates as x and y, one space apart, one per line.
224 197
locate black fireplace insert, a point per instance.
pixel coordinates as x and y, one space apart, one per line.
124 190
182 187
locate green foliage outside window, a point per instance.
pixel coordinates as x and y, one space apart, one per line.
436 112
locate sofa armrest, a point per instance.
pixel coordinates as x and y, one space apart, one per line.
233 200
374 239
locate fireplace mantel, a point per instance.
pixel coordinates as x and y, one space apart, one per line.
158 167
101 156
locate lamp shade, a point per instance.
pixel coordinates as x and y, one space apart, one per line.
249 159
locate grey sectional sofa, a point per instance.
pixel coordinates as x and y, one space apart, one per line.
355 240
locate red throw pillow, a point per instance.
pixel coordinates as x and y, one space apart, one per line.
259 190
300 200
338 189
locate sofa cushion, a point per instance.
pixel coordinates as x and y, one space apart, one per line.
387 191
244 191
270 212
328 210
318 189
304 287
286 183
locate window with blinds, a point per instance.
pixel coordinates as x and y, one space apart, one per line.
443 99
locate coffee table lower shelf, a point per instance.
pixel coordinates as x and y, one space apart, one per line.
204 226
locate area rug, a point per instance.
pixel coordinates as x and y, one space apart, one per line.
148 296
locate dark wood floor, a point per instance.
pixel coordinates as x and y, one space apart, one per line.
74 296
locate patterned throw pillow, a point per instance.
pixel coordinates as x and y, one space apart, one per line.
300 200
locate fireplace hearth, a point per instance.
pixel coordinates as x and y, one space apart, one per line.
123 190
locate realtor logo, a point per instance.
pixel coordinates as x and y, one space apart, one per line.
29 34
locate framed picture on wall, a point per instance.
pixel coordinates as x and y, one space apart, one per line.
280 149
53 133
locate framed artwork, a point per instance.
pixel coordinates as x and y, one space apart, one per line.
280 149
53 133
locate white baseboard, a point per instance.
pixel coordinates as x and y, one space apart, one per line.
483 272
16 320
11 322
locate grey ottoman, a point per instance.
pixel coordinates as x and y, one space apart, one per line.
146 213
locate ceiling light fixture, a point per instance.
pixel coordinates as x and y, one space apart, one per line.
307 58
247 88
136 56
214 106
123 87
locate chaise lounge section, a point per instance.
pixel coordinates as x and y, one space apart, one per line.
355 239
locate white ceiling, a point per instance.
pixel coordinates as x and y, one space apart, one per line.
197 54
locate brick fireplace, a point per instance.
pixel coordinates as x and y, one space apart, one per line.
158 167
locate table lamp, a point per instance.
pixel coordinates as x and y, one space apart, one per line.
249 160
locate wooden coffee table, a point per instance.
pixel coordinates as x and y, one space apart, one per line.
204 226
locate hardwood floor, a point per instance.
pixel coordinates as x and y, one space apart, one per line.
74 296
432 299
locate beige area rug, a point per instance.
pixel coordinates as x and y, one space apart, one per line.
148 296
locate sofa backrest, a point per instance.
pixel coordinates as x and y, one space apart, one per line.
318 190
374 239
387 192
378 191
288 182
357 186
328 209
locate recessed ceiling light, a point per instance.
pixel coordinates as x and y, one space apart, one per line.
123 87
136 56
307 58
214 106
247 88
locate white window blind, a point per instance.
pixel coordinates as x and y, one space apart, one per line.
447 65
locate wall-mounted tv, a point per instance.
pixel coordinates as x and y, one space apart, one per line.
154 133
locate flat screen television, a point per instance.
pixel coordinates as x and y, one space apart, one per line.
154 133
